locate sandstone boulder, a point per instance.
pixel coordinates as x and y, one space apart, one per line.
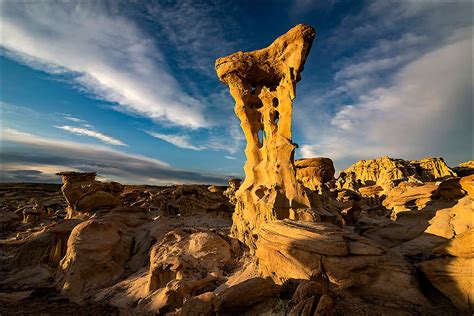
184 265
200 305
312 297
97 252
409 196
243 295
313 172
353 264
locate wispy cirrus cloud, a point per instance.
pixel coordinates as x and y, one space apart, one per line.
91 133
71 118
103 53
181 141
214 142
199 32
52 155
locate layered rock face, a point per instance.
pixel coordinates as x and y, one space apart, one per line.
431 226
85 194
295 250
388 172
263 84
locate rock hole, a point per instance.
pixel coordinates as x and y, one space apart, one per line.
260 193
252 89
260 138
276 117
275 102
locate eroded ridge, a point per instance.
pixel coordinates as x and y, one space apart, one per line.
263 84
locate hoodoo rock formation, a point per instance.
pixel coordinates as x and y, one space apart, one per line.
84 193
263 84
388 237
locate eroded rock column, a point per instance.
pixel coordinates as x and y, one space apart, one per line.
84 194
262 84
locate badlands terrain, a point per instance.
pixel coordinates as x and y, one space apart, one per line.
384 237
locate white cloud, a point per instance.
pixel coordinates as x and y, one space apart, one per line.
309 151
426 110
371 66
51 155
181 141
106 55
198 32
73 119
92 133
230 140
230 157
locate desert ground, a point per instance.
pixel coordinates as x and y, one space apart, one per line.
386 236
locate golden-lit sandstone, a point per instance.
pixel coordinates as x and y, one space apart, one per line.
263 84
85 194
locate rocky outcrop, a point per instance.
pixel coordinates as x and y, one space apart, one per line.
180 200
430 169
97 252
33 212
353 264
465 168
410 196
432 227
451 271
243 295
185 268
263 84
313 172
388 172
84 194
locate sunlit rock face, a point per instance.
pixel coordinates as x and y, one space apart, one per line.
313 172
85 194
389 172
263 84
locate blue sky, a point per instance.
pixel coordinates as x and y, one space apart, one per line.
128 89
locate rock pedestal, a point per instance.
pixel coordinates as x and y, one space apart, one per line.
263 84
85 194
